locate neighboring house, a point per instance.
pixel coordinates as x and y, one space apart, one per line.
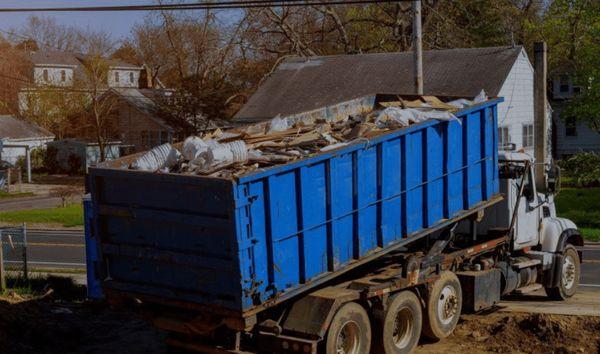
15 132
570 135
57 69
136 119
301 85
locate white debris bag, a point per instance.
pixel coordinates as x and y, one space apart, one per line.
193 146
160 157
403 117
221 154
481 97
279 124
464 103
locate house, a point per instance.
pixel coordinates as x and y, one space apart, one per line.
303 84
53 69
18 135
570 135
136 117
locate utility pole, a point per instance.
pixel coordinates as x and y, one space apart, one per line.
540 126
417 46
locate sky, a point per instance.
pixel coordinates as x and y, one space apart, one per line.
119 24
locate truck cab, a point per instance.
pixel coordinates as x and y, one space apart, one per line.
535 231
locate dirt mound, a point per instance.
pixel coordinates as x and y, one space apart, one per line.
521 333
51 328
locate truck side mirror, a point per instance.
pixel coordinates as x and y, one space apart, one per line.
554 179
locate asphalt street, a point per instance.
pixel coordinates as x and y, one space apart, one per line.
590 269
50 249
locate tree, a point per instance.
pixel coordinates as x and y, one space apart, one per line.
572 29
127 53
47 33
101 100
194 55
14 75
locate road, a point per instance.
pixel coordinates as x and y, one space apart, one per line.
66 250
52 249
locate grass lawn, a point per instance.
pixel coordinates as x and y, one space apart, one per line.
69 216
582 206
5 195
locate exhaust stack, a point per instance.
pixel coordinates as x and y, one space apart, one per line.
540 128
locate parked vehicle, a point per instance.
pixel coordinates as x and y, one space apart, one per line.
361 248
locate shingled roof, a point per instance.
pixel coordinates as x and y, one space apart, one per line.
303 84
13 128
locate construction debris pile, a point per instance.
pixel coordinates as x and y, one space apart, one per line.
238 151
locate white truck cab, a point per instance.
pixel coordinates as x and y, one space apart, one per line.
536 232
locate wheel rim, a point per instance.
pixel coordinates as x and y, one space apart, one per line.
447 305
348 339
403 327
568 271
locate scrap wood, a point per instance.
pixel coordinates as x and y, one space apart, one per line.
436 103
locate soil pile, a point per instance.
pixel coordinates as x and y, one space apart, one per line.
48 327
521 333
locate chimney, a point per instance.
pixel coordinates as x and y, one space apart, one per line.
540 123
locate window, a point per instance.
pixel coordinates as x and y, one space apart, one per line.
45 75
117 76
527 135
131 78
63 76
576 90
528 190
503 136
570 126
564 84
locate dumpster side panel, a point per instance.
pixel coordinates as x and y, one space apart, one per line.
317 216
167 235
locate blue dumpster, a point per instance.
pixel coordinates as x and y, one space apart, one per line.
236 246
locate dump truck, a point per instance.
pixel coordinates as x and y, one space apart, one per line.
362 248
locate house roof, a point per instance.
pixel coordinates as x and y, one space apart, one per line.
303 84
13 128
53 57
60 58
145 100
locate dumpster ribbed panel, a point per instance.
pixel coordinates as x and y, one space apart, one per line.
321 214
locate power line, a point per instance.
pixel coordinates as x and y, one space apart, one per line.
198 6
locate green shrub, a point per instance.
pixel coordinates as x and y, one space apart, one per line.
583 169
38 160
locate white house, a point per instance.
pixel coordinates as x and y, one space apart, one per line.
303 84
58 69
16 134
571 134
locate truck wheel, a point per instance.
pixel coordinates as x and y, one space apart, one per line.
349 331
570 270
444 306
401 325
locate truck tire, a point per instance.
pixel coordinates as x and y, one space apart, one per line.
570 271
401 324
443 307
349 331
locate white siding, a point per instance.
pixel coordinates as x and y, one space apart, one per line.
517 108
124 78
586 139
54 76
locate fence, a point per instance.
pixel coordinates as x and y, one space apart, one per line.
13 253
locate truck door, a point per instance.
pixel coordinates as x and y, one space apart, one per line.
528 214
